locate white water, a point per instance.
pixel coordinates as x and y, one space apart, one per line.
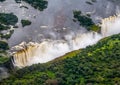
32 53
49 50
111 25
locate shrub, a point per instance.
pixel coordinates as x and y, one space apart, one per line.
8 19
25 22
4 45
85 21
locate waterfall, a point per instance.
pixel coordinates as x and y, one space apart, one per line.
30 53
25 51
110 25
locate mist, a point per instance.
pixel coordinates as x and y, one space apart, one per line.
53 32
26 54
58 15
3 73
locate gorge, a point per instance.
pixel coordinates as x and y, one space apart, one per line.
30 53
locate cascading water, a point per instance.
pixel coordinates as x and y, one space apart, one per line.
110 25
32 53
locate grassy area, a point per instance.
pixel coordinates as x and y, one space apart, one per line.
95 65
95 28
67 55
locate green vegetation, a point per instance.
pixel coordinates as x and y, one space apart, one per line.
95 65
7 36
3 45
3 27
67 55
25 22
8 19
37 4
3 54
95 28
3 57
85 21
